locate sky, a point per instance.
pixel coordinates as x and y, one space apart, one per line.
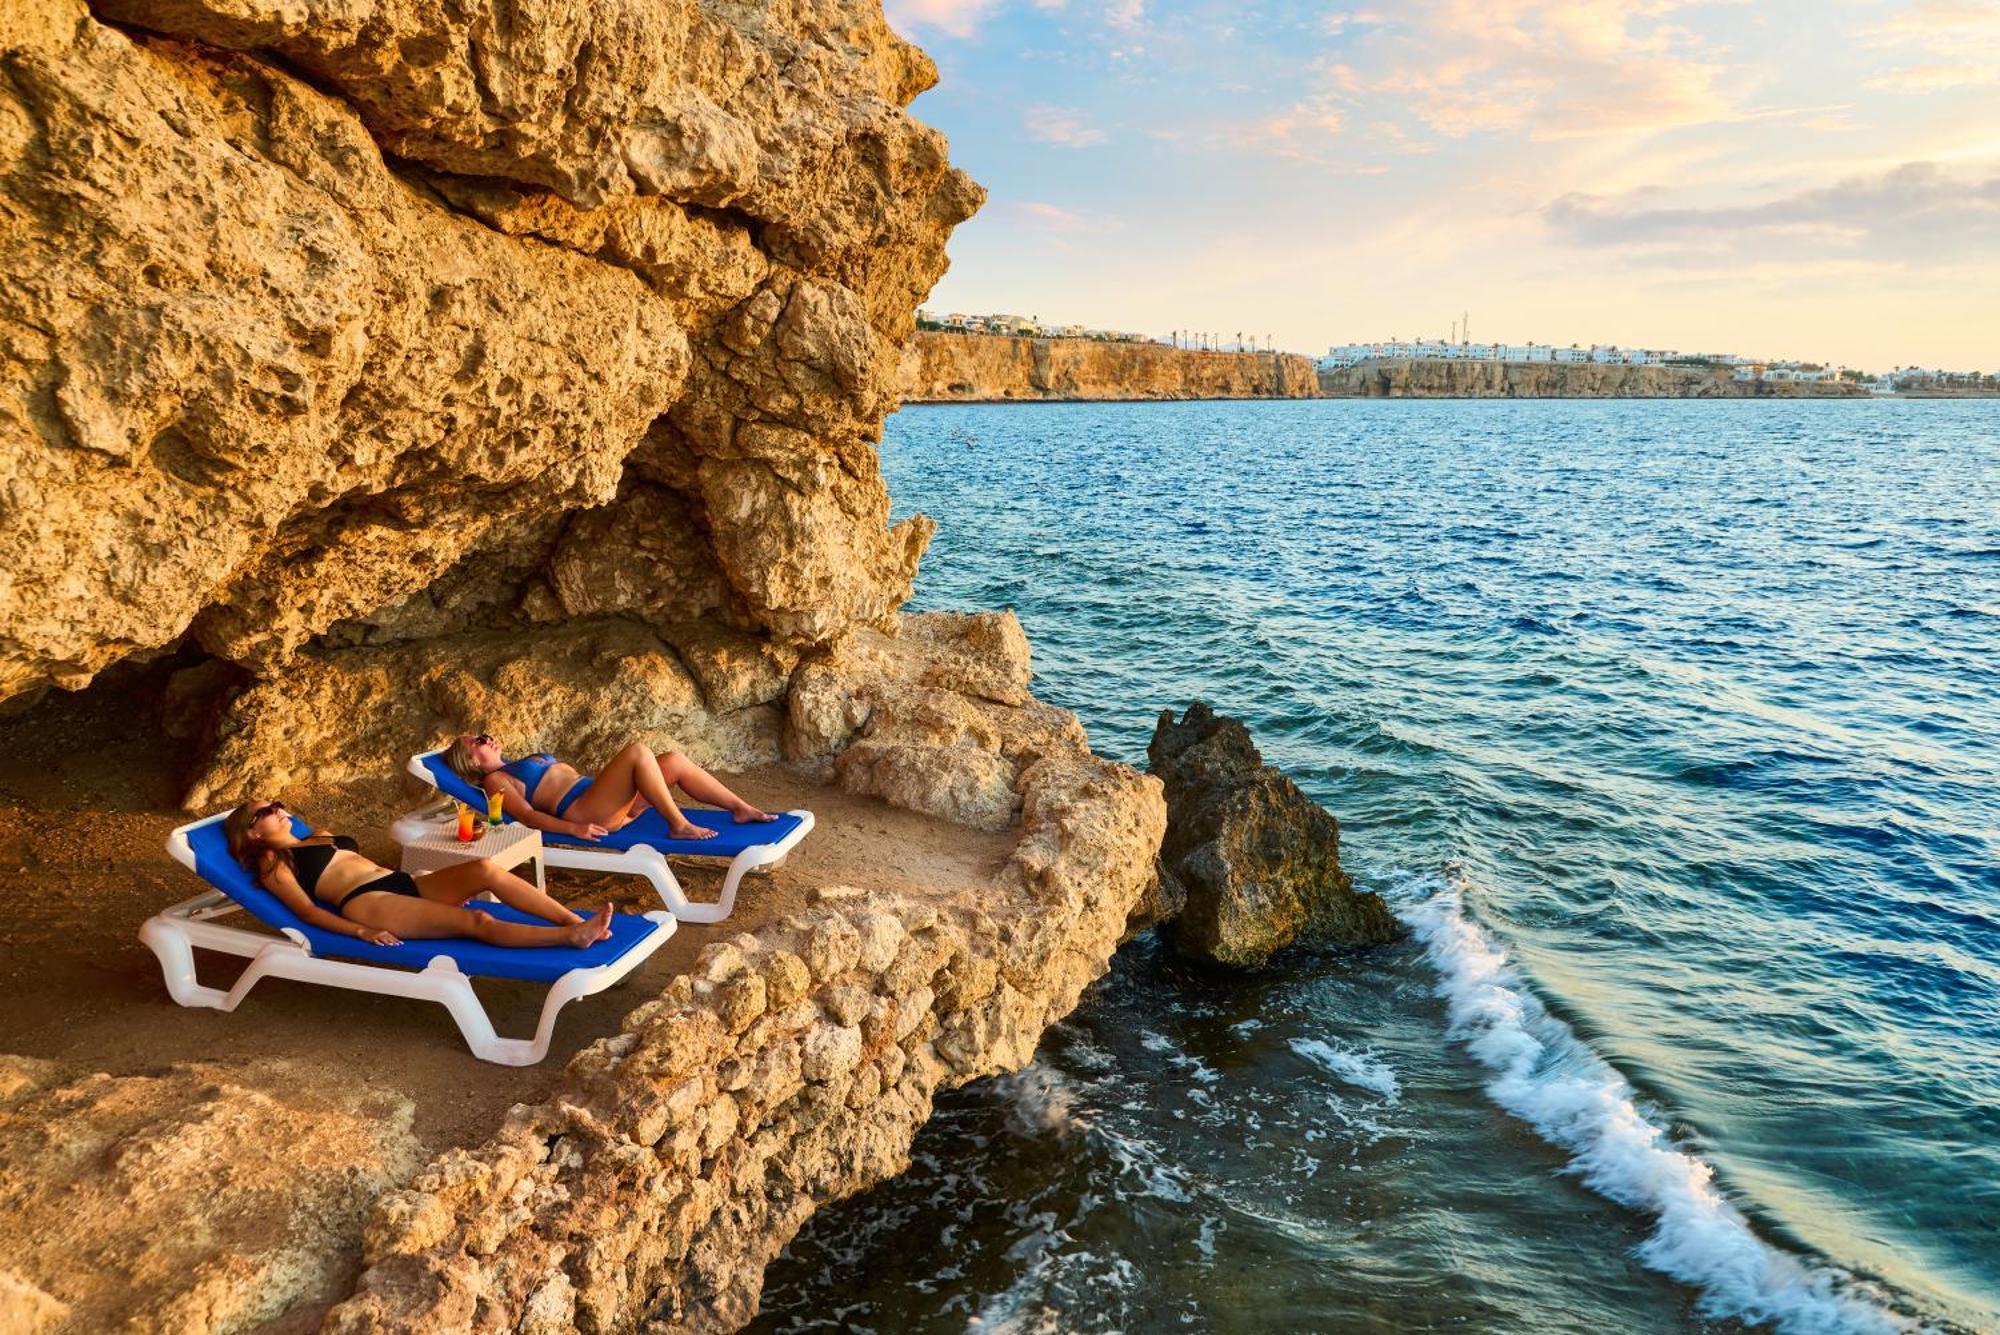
1818 180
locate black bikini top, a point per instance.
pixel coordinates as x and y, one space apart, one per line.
309 860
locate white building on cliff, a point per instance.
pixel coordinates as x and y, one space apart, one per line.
1602 354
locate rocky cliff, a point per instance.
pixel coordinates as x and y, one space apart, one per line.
386 320
1551 380
401 367
980 367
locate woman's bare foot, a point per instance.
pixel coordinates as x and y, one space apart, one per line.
687 829
747 814
592 929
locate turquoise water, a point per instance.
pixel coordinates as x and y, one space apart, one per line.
1671 730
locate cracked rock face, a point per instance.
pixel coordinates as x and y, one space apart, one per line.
284 363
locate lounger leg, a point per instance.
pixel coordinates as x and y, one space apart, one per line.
655 869
455 992
739 867
167 941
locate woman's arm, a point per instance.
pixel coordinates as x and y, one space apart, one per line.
278 879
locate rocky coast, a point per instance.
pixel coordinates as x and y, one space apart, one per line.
982 368
1558 380
370 374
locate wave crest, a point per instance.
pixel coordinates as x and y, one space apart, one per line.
1546 1076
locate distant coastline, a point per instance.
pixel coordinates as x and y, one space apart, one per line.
998 368
951 367
1410 378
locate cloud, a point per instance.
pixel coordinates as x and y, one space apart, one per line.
954 18
1126 14
1931 21
1961 37
1303 130
1034 216
1916 214
1549 69
1061 127
1934 78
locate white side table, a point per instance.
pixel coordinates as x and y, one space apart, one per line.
431 845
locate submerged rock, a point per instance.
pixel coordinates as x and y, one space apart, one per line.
1255 860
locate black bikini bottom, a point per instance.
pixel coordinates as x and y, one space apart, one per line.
396 883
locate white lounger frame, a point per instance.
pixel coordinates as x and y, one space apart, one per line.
174 933
647 861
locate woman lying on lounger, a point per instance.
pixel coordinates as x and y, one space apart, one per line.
543 792
327 882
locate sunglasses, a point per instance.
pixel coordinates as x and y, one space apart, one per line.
268 809
482 739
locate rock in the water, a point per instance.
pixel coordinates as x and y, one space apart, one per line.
1259 861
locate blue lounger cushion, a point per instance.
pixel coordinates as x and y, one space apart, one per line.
649 829
535 963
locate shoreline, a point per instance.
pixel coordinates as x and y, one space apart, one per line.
1458 398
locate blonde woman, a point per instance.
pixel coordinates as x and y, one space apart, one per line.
542 792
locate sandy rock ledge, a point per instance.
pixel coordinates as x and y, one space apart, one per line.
792 1067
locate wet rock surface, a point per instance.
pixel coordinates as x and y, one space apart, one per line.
1253 862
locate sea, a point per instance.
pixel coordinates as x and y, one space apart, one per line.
1670 730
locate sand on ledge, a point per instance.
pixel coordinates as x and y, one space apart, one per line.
88 795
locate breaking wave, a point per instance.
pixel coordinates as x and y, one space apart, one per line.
1546 1076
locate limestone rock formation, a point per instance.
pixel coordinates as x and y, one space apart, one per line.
937 719
250 376
1411 379
279 356
1257 861
407 366
966 368
147 1178
581 689
791 1067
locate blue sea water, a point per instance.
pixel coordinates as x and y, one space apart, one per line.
1672 732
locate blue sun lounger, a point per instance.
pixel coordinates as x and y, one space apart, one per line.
643 847
437 970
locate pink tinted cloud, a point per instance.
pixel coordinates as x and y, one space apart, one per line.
1916 214
1549 69
955 18
1036 216
1061 127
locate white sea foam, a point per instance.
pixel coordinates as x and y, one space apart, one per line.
1545 1075
1042 1100
1355 1066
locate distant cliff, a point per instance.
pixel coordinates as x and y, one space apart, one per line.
1405 379
980 367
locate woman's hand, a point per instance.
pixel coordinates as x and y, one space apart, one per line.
584 829
379 936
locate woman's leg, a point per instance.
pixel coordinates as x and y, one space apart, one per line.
702 786
461 881
634 770
424 919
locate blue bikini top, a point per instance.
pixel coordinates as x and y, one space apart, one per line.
529 770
